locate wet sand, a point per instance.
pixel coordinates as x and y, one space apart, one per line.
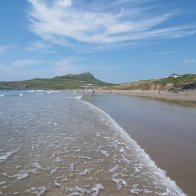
166 131
189 96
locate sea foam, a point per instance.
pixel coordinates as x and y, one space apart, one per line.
159 174
5 156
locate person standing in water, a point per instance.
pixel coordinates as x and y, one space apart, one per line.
93 91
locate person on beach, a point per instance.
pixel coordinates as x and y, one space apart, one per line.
93 91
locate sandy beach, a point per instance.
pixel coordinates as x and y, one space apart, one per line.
189 96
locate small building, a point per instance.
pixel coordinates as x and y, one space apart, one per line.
174 75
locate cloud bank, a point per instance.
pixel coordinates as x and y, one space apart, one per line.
69 22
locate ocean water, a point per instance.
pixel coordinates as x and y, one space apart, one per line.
55 143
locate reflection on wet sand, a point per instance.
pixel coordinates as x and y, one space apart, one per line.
165 130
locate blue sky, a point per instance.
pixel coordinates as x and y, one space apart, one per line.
117 40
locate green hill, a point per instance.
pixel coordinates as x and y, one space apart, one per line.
70 81
187 81
87 80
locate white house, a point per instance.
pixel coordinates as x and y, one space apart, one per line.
174 75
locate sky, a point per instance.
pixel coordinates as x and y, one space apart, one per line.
116 40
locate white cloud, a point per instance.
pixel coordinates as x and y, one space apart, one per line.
8 73
18 67
67 22
169 52
5 48
189 61
68 65
23 69
41 46
21 63
38 45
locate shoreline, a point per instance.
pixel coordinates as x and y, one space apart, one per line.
185 96
165 134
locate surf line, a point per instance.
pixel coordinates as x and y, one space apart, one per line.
165 180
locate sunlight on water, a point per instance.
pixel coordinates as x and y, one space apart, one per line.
54 143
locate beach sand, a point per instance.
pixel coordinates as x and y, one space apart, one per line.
189 96
165 131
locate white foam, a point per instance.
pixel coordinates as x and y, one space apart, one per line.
115 168
119 181
5 156
77 191
2 95
34 171
55 124
85 172
31 91
78 97
96 189
105 153
83 157
37 165
77 150
159 174
72 167
57 184
2 182
65 179
54 170
135 189
22 175
98 161
57 160
38 191
52 91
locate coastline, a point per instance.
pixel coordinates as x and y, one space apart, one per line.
188 96
165 133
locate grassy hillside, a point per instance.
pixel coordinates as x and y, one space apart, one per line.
70 81
87 80
187 81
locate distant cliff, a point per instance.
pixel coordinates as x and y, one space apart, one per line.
69 81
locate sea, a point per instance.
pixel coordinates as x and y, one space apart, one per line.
57 143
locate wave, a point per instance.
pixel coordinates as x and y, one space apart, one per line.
12 95
5 155
19 93
15 93
159 174
74 97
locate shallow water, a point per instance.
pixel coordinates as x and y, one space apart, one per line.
165 130
54 143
